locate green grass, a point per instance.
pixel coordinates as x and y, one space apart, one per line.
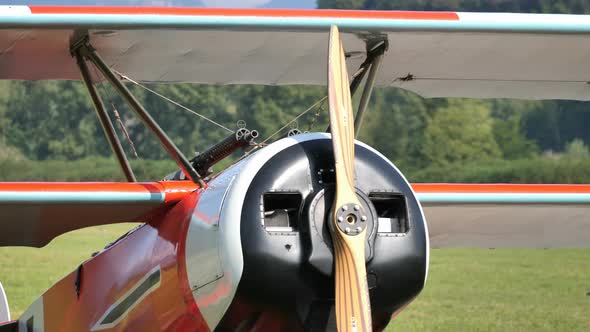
467 289
502 290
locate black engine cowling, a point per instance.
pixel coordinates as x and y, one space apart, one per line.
287 248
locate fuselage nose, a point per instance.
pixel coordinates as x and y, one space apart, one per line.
270 248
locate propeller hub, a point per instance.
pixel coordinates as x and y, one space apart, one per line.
319 214
352 219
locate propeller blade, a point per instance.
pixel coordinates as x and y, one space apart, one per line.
348 226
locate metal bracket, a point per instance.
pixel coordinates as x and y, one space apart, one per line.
375 50
83 48
80 45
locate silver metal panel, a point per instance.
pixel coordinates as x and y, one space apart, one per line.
203 262
202 248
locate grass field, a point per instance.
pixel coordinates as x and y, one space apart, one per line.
467 289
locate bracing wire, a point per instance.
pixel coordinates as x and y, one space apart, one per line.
320 101
127 78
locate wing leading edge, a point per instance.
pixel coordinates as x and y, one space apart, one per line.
458 215
33 213
446 54
506 215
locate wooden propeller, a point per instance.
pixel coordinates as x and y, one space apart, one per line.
348 222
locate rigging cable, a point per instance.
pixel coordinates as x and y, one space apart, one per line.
319 102
127 78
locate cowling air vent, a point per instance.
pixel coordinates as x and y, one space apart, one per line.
391 211
281 211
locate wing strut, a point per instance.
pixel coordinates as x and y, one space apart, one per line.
86 50
370 65
374 58
105 121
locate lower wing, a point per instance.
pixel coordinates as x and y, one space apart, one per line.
33 213
458 215
506 215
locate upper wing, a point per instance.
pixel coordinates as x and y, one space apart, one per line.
33 213
436 54
506 215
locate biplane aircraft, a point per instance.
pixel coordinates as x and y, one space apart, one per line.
314 231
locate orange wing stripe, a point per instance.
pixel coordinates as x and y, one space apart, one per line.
398 15
500 188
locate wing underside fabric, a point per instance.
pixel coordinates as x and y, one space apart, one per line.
433 54
504 215
33 213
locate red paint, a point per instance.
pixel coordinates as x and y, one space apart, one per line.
501 188
325 13
177 190
113 272
192 308
173 228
